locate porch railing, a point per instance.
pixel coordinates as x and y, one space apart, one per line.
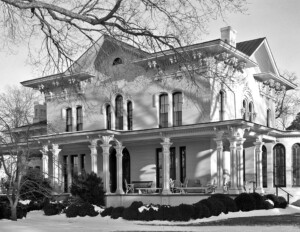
287 193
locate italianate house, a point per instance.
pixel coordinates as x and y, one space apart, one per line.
201 115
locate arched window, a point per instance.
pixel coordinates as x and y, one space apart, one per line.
268 117
250 111
108 117
279 165
264 166
79 118
177 109
296 164
129 115
244 109
117 61
69 121
119 112
163 110
222 104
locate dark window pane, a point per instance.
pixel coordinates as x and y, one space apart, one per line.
119 112
108 117
129 115
163 110
177 109
69 120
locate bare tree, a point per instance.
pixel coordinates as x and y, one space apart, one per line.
16 147
287 103
69 27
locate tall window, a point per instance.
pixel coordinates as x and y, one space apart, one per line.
265 166
119 112
177 109
221 104
108 117
163 110
79 118
250 111
129 115
69 119
172 163
244 109
182 151
279 165
268 117
296 165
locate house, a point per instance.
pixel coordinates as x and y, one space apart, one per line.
204 112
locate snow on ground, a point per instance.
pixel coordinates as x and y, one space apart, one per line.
37 222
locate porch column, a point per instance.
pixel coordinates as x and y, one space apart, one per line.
258 164
166 165
69 172
79 171
45 160
55 154
233 166
119 149
105 152
219 142
94 160
240 163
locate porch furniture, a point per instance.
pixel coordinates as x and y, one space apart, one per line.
193 189
177 187
129 187
140 185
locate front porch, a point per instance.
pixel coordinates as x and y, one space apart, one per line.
211 153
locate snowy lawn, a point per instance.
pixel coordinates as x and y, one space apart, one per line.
37 222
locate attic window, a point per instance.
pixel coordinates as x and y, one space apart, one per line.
117 61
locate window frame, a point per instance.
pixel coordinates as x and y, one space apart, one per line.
108 116
79 118
296 165
119 112
177 108
69 120
129 115
163 110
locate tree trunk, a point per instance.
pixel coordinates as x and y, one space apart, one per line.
13 208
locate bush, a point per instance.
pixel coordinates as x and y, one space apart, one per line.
201 211
227 201
89 188
34 186
148 215
273 198
5 211
107 212
268 205
72 211
245 202
130 214
186 212
117 212
53 208
216 207
259 200
282 203
81 209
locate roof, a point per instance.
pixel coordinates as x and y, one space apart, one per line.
250 46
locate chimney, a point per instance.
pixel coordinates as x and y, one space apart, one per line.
228 35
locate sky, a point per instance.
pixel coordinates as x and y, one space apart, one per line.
278 20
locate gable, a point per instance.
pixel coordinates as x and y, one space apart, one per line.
265 60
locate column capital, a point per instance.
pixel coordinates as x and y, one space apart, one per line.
106 139
93 142
236 132
44 150
119 148
55 149
219 143
219 134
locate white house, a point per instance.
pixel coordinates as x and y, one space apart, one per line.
204 112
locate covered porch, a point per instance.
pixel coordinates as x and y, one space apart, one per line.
210 153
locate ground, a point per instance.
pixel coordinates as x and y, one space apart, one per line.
37 222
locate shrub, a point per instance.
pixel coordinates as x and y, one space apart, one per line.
273 198
186 212
201 211
268 205
215 206
130 213
53 208
107 212
259 200
245 202
117 212
161 212
282 203
148 215
89 188
34 186
227 201
72 211
86 209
